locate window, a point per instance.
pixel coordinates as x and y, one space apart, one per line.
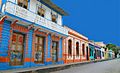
39 49
23 3
69 48
77 48
54 18
17 49
83 49
41 11
90 52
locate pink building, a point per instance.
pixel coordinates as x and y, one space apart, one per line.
75 47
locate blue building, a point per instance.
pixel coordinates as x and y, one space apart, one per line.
31 33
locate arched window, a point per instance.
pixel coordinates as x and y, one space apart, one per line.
77 48
83 49
69 47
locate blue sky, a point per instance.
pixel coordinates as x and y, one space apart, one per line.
99 20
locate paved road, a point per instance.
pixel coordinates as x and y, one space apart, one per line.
111 66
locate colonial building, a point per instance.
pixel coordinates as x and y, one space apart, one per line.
76 47
31 33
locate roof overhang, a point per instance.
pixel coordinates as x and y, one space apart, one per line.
50 4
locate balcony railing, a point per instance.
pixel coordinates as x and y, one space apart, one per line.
25 14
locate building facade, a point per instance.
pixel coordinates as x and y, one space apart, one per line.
103 46
92 49
76 47
31 33
106 53
111 54
102 53
97 54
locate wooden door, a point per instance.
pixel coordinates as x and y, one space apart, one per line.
39 49
17 49
54 51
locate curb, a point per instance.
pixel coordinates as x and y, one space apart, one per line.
66 66
52 68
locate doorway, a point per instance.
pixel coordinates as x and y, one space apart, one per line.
87 51
39 49
54 51
17 49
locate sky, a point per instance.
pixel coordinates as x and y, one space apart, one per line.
99 20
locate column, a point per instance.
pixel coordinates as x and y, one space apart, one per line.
5 37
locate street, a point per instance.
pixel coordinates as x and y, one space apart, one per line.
111 66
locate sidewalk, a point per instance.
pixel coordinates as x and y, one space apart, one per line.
50 67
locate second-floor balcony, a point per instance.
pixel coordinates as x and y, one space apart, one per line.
22 13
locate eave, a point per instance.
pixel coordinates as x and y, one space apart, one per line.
54 7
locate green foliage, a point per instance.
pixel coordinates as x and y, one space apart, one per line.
113 47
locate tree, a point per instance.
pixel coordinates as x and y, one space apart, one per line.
114 48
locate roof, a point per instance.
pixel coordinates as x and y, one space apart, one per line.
50 4
100 44
91 42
